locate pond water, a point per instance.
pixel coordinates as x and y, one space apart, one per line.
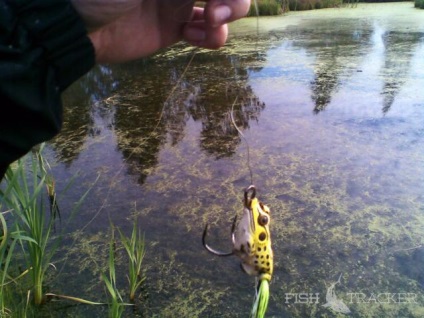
331 107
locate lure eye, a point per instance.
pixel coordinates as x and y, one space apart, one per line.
263 220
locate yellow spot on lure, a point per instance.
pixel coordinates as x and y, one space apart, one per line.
252 244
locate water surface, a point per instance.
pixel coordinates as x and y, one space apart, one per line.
331 105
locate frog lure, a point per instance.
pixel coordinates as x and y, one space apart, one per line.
252 244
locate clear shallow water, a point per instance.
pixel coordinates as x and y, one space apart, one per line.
331 106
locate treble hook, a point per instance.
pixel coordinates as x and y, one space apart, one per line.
247 202
213 251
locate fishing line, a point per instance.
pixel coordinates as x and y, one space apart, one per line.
194 52
262 292
152 132
124 161
245 139
235 101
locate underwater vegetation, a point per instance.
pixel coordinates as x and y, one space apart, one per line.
332 112
30 221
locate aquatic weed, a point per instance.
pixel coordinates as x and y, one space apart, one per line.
27 184
24 195
116 305
135 248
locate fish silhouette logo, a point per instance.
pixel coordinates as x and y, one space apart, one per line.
333 302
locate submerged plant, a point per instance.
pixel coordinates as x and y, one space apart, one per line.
135 248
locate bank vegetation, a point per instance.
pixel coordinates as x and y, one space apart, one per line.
276 7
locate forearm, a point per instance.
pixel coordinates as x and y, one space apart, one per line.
44 48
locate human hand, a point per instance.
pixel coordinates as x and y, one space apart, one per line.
123 30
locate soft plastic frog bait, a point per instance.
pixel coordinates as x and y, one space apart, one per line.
251 239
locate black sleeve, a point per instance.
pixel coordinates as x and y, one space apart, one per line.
43 48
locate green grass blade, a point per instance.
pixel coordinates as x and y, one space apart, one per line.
76 299
135 248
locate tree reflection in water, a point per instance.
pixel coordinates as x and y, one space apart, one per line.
149 102
399 50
